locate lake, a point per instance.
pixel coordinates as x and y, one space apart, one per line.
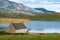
41 26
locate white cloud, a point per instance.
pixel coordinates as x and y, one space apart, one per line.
48 4
24 1
53 7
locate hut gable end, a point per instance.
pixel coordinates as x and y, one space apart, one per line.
10 29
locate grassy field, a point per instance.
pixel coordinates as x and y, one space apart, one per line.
46 17
6 20
31 37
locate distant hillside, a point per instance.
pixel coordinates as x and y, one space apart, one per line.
45 10
11 14
9 5
46 16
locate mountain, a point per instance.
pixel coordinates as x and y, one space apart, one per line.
7 5
45 10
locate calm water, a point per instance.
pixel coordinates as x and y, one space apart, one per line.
41 26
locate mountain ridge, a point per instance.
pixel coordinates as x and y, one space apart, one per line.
18 7
45 10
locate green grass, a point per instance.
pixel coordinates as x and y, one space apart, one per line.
46 17
31 37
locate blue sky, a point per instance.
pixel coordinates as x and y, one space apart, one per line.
47 4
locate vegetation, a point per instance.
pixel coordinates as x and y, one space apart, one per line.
47 17
32 36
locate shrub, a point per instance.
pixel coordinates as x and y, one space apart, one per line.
2 32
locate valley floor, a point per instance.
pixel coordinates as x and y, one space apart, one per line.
31 37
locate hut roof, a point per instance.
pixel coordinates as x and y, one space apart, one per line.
18 26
